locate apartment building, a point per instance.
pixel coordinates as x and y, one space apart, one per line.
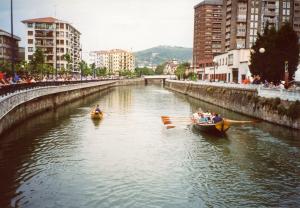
207 32
235 24
55 38
8 46
243 19
296 17
114 60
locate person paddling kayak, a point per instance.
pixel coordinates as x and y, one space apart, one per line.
97 110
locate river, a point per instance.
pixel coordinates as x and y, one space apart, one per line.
62 158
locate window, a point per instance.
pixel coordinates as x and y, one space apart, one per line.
230 59
30 33
30 41
30 49
29 25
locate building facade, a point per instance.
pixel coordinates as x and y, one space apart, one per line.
55 38
171 67
207 32
9 47
231 67
114 61
244 19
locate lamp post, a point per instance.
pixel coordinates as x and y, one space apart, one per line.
81 64
215 64
12 47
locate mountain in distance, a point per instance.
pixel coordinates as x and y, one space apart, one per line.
161 54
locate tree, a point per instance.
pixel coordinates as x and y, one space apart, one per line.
270 65
93 69
85 69
181 69
68 59
144 71
37 62
160 69
101 71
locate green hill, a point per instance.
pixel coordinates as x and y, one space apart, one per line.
161 54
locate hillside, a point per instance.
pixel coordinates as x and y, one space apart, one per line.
161 54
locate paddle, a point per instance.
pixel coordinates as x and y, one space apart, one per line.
239 122
183 120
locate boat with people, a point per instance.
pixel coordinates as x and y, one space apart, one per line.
97 113
211 123
203 121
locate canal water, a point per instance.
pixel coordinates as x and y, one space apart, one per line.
64 159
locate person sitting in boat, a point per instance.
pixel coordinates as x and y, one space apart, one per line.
203 119
217 118
97 110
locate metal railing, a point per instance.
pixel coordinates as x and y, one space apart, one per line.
13 88
221 84
283 94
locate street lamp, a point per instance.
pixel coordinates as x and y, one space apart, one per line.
12 38
81 64
215 64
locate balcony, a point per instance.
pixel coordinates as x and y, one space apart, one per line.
241 18
241 34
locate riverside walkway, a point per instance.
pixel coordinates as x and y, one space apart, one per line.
283 94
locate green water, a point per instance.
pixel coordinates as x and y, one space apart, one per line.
63 159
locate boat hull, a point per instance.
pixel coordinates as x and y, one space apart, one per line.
220 127
96 115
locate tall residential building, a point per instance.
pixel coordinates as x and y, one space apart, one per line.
235 24
114 60
243 19
296 17
8 46
272 12
55 38
207 32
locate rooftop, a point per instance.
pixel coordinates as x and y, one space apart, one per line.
7 34
209 2
42 20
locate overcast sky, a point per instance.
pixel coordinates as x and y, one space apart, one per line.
107 24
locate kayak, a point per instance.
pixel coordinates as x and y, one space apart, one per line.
96 115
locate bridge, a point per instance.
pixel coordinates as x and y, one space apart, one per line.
159 77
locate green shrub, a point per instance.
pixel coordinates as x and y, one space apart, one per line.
275 102
293 110
281 110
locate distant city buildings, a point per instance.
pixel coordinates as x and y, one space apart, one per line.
171 66
9 46
207 32
114 60
55 38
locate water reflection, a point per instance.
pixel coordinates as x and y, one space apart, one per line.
128 159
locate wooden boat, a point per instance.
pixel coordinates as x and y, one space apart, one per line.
220 127
96 115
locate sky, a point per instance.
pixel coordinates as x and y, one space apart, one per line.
106 24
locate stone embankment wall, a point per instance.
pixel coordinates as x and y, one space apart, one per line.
17 107
245 101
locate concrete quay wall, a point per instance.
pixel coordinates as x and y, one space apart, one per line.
18 107
244 101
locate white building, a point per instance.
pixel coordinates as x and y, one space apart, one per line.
171 67
55 38
232 66
114 60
